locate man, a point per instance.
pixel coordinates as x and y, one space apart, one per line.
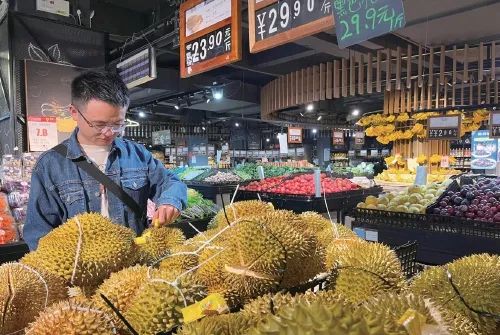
61 190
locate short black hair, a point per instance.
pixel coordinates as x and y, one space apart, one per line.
103 86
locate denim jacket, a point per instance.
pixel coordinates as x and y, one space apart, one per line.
60 190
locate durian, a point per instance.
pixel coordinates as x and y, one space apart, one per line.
391 308
157 305
317 319
24 293
368 270
182 257
100 247
476 279
250 261
156 243
339 246
121 288
273 303
225 324
72 318
239 210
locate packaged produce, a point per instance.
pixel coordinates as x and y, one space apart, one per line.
12 168
20 213
29 160
197 207
249 171
222 178
18 199
4 203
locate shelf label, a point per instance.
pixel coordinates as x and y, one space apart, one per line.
495 124
371 235
359 20
443 127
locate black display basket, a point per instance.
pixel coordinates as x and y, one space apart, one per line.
341 201
211 191
407 254
13 251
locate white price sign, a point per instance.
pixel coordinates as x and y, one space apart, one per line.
42 133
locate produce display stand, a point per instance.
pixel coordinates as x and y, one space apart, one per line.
185 225
340 202
13 251
441 239
214 191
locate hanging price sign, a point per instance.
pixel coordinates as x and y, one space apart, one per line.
210 35
443 127
294 135
338 137
42 133
359 138
273 22
495 124
360 20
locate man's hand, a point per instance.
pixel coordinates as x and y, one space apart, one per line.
164 215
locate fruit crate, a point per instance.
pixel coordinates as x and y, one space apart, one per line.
407 254
341 201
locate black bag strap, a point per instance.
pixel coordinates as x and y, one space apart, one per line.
107 182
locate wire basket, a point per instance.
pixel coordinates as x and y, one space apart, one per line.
407 254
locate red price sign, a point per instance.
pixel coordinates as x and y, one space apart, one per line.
42 133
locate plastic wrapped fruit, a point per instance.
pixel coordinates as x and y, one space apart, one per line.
7 235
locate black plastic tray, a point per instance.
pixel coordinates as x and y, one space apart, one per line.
341 201
211 191
13 251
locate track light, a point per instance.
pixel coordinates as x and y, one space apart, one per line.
142 114
178 104
268 139
301 114
355 112
203 128
315 131
237 124
319 118
310 107
217 93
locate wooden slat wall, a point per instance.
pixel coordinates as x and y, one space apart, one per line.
361 75
356 75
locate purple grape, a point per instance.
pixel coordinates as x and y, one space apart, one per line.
443 203
463 208
497 217
458 200
469 195
437 211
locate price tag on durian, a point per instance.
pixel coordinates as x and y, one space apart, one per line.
213 304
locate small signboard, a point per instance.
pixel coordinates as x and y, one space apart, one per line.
495 124
443 127
357 21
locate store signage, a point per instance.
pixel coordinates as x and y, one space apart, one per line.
484 150
42 132
294 135
359 138
274 22
363 153
138 69
338 137
495 124
161 137
210 35
443 127
359 20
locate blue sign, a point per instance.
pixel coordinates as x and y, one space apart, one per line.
484 150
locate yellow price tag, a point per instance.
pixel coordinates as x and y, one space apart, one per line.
413 322
212 304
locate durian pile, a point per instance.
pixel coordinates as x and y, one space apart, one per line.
415 199
250 256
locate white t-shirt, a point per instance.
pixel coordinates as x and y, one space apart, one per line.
99 156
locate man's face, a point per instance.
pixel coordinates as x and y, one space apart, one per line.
96 122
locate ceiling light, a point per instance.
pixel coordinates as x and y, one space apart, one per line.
237 124
268 139
217 93
142 114
315 131
309 107
319 118
355 112
203 128
301 114
177 107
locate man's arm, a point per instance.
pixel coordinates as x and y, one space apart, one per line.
166 190
44 211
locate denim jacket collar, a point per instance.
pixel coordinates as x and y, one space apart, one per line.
75 151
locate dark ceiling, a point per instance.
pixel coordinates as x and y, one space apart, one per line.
429 22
